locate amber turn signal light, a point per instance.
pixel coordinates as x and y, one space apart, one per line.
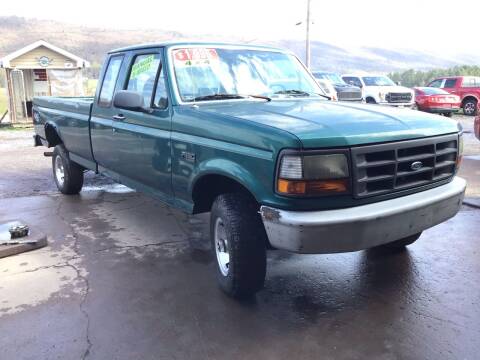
312 187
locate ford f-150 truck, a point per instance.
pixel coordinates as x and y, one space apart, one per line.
380 89
244 133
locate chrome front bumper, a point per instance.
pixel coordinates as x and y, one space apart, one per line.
362 227
406 105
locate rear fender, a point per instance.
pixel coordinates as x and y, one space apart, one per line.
52 134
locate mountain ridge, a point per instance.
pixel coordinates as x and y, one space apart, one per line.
92 43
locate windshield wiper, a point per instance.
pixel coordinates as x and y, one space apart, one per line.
218 97
228 97
260 97
300 93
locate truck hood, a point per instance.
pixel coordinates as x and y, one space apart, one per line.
346 87
320 123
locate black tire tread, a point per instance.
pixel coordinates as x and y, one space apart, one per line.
73 182
247 244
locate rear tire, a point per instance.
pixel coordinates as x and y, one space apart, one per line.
402 243
239 244
470 107
67 174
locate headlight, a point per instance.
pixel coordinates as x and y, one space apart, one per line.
382 96
316 174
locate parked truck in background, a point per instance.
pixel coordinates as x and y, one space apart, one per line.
466 87
241 132
344 91
380 89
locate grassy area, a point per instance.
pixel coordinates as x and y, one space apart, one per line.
90 86
3 100
14 128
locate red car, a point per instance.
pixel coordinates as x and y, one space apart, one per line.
436 101
467 87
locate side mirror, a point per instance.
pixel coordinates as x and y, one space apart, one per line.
399 83
128 100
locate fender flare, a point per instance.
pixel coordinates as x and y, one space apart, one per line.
470 96
228 169
52 136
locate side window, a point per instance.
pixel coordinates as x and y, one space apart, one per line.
450 83
353 81
143 74
161 99
109 81
436 83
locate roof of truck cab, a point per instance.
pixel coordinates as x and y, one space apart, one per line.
196 44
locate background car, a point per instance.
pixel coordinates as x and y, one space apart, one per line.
327 88
437 101
380 89
345 92
467 87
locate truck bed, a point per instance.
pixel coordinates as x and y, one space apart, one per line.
71 118
80 105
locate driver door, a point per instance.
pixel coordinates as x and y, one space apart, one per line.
142 138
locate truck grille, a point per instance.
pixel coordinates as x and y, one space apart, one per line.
386 168
349 95
399 97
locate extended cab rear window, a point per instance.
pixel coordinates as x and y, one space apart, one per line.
109 81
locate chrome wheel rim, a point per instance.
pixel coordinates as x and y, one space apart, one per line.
221 247
59 171
469 108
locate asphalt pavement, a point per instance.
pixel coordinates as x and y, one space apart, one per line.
126 277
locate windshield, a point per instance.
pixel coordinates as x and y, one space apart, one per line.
377 81
334 78
203 73
433 91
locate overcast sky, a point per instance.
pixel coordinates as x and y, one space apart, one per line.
434 25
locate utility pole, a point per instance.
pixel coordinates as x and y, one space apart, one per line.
307 41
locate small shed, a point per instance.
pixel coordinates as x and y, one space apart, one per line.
40 69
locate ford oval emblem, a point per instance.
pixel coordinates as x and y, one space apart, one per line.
417 165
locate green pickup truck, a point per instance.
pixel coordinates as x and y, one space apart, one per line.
245 133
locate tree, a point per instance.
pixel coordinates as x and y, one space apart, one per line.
413 77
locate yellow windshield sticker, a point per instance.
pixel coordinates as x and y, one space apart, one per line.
143 66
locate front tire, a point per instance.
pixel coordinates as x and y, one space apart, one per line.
401 244
67 174
239 244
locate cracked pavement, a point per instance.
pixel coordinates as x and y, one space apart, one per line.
126 277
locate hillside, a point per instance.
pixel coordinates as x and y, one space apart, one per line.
93 43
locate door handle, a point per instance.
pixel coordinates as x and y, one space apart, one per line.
119 117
